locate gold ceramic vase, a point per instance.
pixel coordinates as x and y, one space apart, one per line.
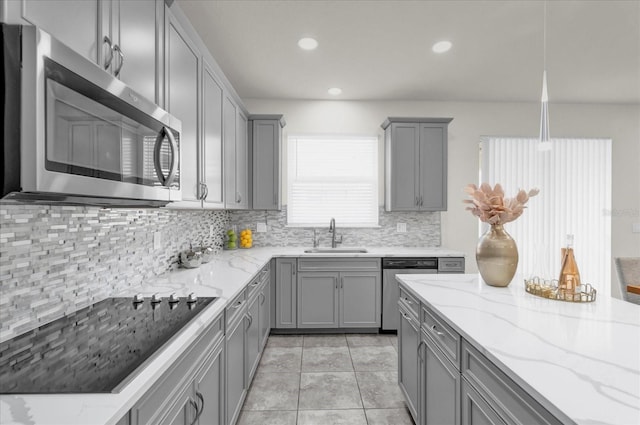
497 256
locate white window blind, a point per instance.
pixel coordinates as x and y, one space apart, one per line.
332 176
574 179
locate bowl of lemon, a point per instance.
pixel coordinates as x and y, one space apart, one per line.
246 238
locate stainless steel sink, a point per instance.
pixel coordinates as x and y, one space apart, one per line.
335 251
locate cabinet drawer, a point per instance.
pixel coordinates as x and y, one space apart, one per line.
257 281
445 337
511 402
410 302
451 265
153 404
338 264
235 309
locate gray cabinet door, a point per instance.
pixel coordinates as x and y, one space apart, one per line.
475 410
209 386
266 139
75 23
265 312
360 299
138 38
440 388
408 339
229 113
242 163
318 300
433 167
212 172
252 350
403 162
286 293
182 97
183 410
235 370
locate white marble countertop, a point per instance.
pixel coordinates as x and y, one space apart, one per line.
224 277
581 361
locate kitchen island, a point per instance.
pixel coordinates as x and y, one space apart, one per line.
225 277
580 362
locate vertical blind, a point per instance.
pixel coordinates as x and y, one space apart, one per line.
332 177
574 179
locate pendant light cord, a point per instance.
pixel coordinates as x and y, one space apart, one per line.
544 37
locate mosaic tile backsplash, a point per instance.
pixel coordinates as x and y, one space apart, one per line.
56 260
423 229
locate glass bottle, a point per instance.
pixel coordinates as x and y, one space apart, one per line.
569 280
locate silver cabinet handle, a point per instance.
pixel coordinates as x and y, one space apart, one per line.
421 201
341 282
416 201
437 332
419 351
264 297
408 301
195 406
204 191
166 181
406 316
336 281
201 397
107 63
238 197
118 50
248 316
237 305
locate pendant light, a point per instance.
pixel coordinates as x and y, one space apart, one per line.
545 140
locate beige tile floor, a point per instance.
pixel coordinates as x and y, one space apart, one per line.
327 380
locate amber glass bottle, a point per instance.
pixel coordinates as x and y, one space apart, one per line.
569 280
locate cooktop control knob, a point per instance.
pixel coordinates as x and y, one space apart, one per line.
192 298
155 299
138 299
173 298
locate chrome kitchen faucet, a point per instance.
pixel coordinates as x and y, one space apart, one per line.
332 230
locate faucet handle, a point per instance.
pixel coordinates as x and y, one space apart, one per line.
339 240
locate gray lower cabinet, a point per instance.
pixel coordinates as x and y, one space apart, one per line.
266 141
408 341
254 347
265 311
439 387
191 384
446 380
318 300
285 293
475 409
360 304
235 370
339 293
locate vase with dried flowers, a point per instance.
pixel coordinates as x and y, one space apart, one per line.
496 253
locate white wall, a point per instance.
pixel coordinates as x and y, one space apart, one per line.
472 120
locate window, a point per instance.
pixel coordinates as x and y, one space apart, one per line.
574 179
332 176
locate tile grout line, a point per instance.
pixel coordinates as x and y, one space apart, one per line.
299 383
355 375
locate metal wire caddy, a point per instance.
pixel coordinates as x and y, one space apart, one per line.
549 289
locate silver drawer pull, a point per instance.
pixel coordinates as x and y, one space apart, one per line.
406 317
237 305
407 300
433 329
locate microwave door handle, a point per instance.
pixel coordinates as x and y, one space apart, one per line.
166 181
175 157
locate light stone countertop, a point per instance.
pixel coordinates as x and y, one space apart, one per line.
224 277
580 361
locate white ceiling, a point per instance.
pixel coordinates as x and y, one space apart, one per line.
381 50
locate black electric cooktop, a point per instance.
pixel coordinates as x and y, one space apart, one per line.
94 349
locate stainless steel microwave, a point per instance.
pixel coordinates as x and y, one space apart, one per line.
74 134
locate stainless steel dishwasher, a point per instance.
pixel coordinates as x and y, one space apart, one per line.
390 292
395 265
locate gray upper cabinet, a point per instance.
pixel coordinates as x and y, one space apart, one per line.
75 23
236 156
211 175
136 28
182 99
266 143
121 36
416 164
242 163
285 293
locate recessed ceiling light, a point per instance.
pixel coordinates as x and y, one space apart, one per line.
335 91
307 43
442 46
